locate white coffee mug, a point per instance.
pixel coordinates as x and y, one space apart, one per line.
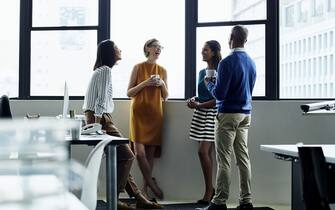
210 73
155 76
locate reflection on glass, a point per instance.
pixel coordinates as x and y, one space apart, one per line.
9 48
230 10
57 56
34 164
65 13
168 29
255 47
306 49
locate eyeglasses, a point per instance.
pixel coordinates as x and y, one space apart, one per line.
157 46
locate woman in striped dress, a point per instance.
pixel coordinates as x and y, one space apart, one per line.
202 125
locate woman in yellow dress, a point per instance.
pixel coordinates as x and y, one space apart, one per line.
147 89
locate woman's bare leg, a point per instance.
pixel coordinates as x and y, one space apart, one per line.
206 160
145 168
149 153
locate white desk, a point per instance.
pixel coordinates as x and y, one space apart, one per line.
111 169
290 152
320 112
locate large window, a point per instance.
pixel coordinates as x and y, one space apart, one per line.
58 56
164 21
63 46
232 12
306 51
58 41
255 47
9 47
65 13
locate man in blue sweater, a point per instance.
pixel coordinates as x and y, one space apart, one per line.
232 90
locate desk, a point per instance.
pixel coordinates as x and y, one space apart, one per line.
320 112
290 152
111 175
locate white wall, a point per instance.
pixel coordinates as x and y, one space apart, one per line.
178 171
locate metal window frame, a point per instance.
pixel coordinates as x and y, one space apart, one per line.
26 28
271 24
191 24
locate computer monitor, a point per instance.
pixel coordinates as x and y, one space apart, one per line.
65 101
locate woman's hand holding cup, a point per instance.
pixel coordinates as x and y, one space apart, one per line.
210 75
192 103
157 79
151 81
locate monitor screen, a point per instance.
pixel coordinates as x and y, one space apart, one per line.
65 101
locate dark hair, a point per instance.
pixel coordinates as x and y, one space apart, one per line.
239 34
105 54
148 44
216 49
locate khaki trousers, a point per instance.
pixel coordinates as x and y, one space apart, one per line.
231 134
125 156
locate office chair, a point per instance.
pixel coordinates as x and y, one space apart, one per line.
90 179
316 180
5 107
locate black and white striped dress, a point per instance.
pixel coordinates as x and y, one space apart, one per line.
202 125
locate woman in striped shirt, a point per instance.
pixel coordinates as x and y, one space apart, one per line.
202 125
98 107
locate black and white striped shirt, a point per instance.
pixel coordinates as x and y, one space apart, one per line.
99 94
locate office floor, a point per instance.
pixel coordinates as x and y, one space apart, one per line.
230 205
275 207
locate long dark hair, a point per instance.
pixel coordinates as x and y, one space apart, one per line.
105 54
216 49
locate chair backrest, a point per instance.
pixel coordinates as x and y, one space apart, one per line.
5 107
314 174
90 179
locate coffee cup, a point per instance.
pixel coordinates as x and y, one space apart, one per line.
210 73
155 76
76 131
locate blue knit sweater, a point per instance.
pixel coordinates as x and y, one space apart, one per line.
236 76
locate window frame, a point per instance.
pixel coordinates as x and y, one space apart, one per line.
26 29
271 24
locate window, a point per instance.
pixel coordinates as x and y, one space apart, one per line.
331 5
9 48
58 56
63 46
289 16
58 41
303 11
317 7
65 13
319 36
253 14
231 10
165 23
255 47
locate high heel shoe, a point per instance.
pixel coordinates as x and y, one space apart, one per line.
204 202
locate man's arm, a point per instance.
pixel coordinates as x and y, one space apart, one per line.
220 88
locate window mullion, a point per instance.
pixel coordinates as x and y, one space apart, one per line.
24 55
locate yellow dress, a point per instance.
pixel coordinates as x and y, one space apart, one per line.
146 111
